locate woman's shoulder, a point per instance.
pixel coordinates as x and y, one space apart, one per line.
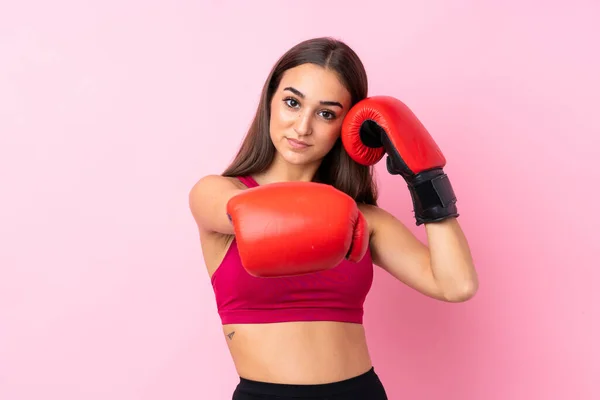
210 192
369 210
376 217
213 182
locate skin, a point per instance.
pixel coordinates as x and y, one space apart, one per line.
309 106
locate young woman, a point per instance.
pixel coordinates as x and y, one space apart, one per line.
291 303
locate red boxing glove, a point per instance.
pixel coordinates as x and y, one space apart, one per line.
293 228
382 124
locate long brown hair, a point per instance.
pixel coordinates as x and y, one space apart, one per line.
337 168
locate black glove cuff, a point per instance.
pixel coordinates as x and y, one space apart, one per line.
433 196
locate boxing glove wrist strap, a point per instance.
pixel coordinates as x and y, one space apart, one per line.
433 196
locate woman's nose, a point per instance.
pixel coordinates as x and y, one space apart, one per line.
303 124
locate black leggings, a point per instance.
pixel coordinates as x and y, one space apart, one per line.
363 387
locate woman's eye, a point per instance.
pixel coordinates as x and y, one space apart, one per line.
291 103
328 115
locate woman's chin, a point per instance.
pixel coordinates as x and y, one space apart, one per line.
297 158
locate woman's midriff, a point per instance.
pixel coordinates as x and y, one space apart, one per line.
298 352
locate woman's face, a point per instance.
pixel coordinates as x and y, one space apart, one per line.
307 111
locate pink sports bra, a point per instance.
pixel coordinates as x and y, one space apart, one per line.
337 294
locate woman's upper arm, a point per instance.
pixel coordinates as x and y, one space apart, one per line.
208 203
396 250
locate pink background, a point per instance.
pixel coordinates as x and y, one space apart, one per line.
111 110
